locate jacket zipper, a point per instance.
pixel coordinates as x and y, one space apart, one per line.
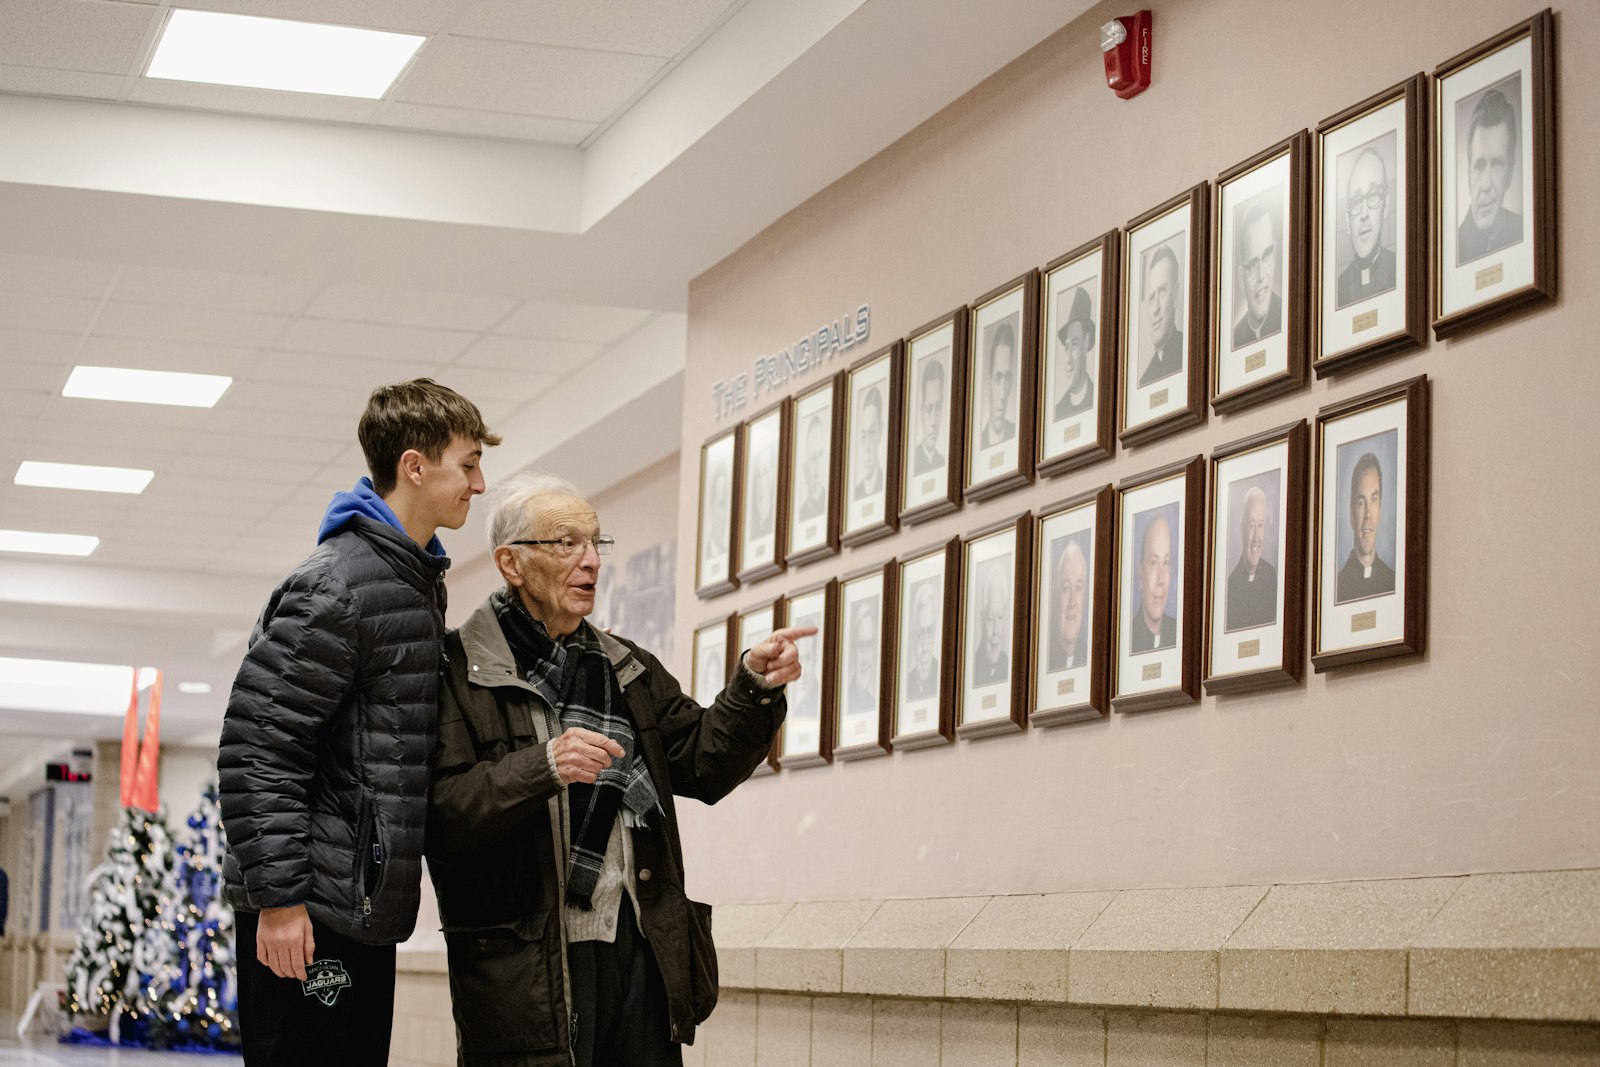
374 867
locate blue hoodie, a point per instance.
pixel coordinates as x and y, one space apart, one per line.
363 500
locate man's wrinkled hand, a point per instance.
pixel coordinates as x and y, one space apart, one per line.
284 942
581 755
777 659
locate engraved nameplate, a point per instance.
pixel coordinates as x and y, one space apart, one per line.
1490 276
1158 398
988 703
1066 687
920 716
1363 620
1071 432
1255 361
758 550
810 532
1152 671
858 727
867 511
929 484
1364 321
997 460
1250 648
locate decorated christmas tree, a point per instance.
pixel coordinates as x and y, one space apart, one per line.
198 1002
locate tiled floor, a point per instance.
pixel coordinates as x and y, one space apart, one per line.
47 1052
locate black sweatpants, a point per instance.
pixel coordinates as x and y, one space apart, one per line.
620 1002
342 1013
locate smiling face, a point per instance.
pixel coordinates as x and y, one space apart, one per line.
1155 571
1253 530
1366 510
1367 184
557 589
1070 601
1257 252
1489 162
449 485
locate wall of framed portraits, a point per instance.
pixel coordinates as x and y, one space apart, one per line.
1206 519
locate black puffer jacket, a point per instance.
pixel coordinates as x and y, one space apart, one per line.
323 769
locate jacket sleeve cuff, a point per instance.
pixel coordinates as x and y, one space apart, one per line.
750 683
550 758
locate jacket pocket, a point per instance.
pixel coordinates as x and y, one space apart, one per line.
501 992
702 961
372 859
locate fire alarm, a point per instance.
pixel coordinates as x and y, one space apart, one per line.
1125 40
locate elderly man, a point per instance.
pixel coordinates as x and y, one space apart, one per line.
1488 224
1364 572
1069 637
552 836
1257 270
1153 629
922 680
1253 582
1372 270
991 660
1162 294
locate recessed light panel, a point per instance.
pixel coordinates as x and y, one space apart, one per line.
146 386
77 476
296 57
194 687
47 544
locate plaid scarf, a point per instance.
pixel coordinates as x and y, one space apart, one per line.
574 677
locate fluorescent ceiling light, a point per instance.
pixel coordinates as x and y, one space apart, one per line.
64 686
147 386
48 544
77 476
299 57
194 687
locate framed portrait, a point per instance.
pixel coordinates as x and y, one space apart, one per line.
715 569
1494 151
713 659
807 736
1159 576
751 628
1072 609
1370 257
865 679
1162 358
1256 545
935 398
1077 349
1258 276
996 596
1000 405
765 496
924 691
872 452
815 460
1370 589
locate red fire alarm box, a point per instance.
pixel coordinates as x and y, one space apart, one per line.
1125 42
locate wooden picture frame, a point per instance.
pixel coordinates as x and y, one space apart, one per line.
713 659
816 465
1489 259
1159 666
806 739
864 682
1365 607
991 689
1000 403
1078 331
1370 266
1071 609
716 567
750 627
1256 562
935 404
763 531
927 585
1258 301
1161 375
872 448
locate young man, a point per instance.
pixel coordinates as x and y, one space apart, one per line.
324 756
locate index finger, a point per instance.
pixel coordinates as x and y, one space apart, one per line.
790 633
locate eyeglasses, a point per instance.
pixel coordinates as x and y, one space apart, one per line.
1263 262
1373 199
571 546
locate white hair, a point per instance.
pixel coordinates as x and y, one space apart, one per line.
511 517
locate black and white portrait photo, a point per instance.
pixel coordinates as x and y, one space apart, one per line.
761 548
997 386
1366 190
861 656
992 569
1003 368
1163 344
812 515
919 677
1161 311
1488 178
933 383
989 623
921 706
1078 294
1073 370
1258 255
714 560
871 429
710 662
930 391
804 734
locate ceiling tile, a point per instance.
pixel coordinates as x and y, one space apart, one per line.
373 341
48 82
485 123
213 326
278 423
35 377
55 275
539 354
523 78
73 415
199 490
38 345
40 311
595 323
408 16
145 284
267 465
644 27
496 386
410 307
72 34
110 435
16 405
366 374
167 355
336 403
245 100
251 450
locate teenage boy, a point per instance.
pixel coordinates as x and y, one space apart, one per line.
323 767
